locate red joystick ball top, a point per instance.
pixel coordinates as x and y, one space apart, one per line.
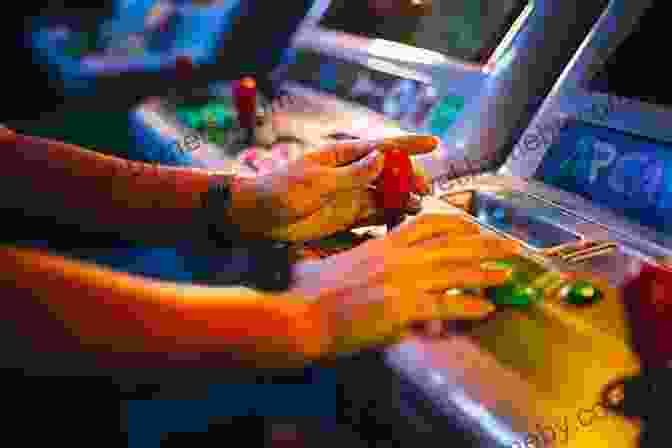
395 183
184 68
648 299
245 100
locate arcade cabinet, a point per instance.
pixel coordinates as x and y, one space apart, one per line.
477 89
138 48
578 353
469 72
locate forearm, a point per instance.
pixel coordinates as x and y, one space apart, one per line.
100 193
62 305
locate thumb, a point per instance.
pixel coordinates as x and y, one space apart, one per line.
362 172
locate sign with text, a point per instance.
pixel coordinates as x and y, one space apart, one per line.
628 174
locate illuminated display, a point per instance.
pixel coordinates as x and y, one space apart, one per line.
630 175
460 29
408 101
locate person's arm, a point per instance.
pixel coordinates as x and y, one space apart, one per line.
100 193
64 306
360 298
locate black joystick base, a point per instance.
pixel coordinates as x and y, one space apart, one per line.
637 396
644 397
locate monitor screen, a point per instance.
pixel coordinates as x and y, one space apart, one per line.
413 103
632 71
464 29
628 174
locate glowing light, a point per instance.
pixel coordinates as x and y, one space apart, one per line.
437 378
394 50
505 45
476 411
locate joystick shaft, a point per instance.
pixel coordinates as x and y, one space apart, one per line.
245 101
394 186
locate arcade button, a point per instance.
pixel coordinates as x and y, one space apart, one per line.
581 292
514 293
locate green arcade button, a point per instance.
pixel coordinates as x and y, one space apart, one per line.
513 293
581 292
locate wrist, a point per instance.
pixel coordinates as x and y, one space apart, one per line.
242 203
327 313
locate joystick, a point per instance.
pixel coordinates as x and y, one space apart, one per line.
581 292
649 306
245 100
184 69
394 186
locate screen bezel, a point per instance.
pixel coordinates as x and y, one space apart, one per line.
571 100
483 197
481 57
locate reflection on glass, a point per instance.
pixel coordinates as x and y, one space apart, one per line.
465 29
522 217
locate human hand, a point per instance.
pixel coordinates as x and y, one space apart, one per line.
372 294
323 192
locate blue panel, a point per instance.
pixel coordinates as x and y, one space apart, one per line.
630 175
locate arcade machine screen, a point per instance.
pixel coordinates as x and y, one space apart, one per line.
462 30
140 36
627 173
332 98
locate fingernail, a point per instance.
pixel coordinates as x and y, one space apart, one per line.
420 143
466 308
478 306
499 265
510 246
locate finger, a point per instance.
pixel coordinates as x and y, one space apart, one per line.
429 226
465 248
426 307
464 307
343 153
414 205
359 174
371 215
441 307
340 213
422 184
377 218
464 277
432 328
412 144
